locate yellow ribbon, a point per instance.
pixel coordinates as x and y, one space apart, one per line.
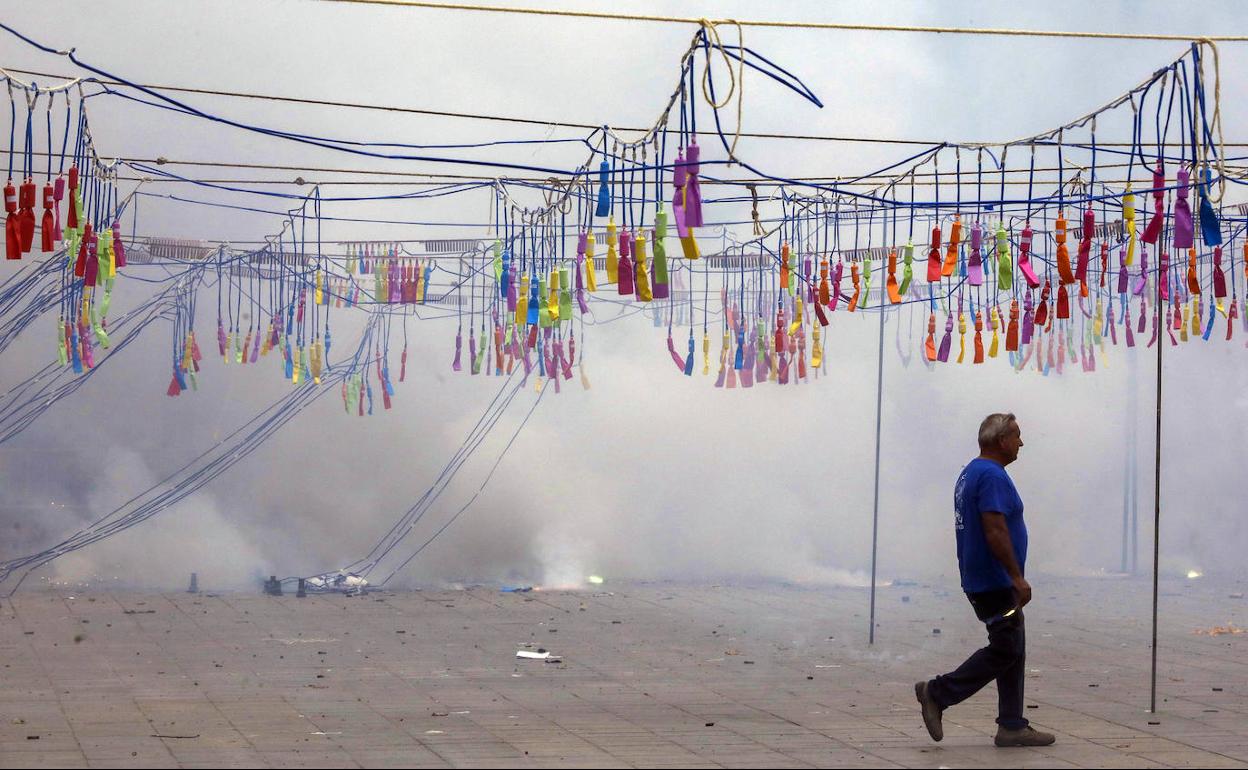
552 294
1128 215
591 280
644 292
522 303
613 259
961 336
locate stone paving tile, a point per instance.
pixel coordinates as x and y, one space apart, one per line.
652 675
73 758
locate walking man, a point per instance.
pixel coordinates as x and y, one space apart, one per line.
992 552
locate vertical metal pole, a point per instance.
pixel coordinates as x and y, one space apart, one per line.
1128 469
1126 507
1135 518
875 515
1161 335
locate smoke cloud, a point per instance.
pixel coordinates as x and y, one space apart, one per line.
648 475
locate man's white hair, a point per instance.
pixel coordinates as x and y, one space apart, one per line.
994 427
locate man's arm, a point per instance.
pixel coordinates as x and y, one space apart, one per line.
998 537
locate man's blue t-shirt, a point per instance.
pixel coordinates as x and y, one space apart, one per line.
985 486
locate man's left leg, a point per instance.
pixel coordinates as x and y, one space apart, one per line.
1013 729
1010 681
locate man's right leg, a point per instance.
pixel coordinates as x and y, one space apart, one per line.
986 664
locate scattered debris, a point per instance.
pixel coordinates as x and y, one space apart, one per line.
1229 628
304 641
343 582
140 612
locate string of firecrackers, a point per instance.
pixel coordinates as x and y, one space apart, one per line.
528 323
777 351
90 235
771 353
542 305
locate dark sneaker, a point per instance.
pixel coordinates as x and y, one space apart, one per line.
931 712
1028 736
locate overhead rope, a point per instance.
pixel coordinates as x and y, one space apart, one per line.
844 27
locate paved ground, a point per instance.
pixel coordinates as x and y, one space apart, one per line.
651 675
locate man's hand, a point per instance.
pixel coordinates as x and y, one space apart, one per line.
1022 591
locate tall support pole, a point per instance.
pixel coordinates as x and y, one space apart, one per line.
1135 468
1161 320
875 515
1129 517
1126 508
1135 513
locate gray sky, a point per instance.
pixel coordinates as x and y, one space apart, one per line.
648 474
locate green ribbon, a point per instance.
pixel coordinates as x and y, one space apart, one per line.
907 272
1005 274
565 294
